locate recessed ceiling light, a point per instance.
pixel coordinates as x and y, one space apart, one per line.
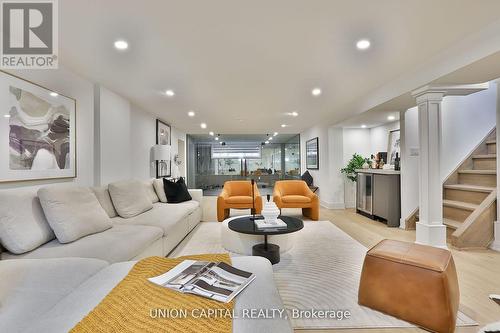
169 93
293 114
203 125
275 133
363 44
6 115
270 138
267 142
363 126
217 138
314 92
121 44
391 118
283 125
211 133
54 94
190 113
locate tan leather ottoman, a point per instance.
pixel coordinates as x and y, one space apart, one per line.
415 283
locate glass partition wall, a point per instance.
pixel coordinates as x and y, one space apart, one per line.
212 162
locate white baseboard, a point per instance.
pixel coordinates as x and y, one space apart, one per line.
402 223
332 205
495 246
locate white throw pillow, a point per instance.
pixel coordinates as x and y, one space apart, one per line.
129 198
160 190
73 212
150 190
104 198
23 226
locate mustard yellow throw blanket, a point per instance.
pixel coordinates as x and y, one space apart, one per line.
131 305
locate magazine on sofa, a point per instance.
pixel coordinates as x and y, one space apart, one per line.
216 280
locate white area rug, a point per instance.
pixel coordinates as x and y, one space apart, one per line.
320 272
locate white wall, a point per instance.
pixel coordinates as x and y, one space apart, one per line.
127 135
142 139
379 136
466 120
409 165
321 176
72 85
115 139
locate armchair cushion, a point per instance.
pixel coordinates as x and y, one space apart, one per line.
239 199
295 199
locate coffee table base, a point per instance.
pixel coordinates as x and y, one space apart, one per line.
269 251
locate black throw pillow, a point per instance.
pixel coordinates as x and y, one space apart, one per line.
176 191
307 178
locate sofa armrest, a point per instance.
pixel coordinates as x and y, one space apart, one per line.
196 194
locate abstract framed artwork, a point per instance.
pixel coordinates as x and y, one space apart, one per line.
163 137
37 132
312 154
393 146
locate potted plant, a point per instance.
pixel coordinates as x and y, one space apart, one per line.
356 162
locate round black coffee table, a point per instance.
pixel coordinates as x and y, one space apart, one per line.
267 250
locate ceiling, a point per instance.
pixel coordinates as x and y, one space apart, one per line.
242 65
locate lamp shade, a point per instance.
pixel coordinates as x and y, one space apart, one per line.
161 152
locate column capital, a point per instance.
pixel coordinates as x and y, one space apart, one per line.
436 92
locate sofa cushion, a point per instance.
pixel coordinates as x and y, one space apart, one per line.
160 189
177 191
164 216
150 190
73 212
23 226
120 243
102 194
129 198
30 288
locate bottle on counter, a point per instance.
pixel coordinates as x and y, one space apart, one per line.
397 165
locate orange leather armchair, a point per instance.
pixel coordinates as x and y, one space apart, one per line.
237 194
296 194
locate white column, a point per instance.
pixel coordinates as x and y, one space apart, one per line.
402 156
496 243
430 228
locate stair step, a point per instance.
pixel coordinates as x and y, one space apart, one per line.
468 187
452 223
478 172
460 205
491 142
486 156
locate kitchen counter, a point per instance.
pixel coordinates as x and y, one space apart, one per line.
379 171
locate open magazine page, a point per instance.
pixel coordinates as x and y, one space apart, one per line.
218 281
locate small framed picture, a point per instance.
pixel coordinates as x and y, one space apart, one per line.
393 146
163 137
312 154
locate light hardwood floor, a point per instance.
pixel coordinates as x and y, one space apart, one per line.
478 270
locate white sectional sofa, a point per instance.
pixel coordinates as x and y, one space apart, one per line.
55 275
53 295
155 231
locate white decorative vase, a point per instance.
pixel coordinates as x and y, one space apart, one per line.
270 212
